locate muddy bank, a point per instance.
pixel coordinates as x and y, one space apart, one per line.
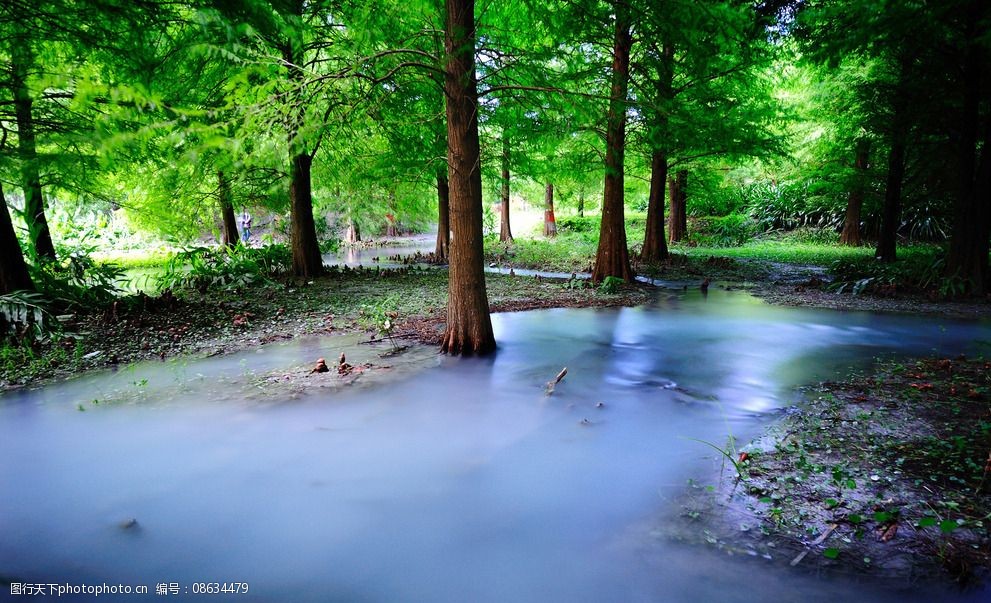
885 475
373 303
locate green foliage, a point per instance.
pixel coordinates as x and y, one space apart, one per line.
787 206
725 231
610 285
582 224
77 281
224 268
24 316
921 270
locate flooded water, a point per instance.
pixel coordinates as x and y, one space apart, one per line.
459 482
379 255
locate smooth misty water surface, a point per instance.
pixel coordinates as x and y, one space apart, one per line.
461 482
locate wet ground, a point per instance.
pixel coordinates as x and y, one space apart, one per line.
464 481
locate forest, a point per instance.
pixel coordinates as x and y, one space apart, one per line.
126 123
186 180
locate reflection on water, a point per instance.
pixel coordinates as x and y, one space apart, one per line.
461 483
379 255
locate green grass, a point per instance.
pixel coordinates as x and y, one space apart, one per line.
787 252
128 260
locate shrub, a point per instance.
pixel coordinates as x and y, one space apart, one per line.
915 272
77 280
579 224
726 231
225 268
788 206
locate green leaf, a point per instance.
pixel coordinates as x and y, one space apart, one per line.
831 553
948 525
927 522
882 516
831 502
854 518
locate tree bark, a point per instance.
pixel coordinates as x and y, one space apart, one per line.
14 275
678 222
469 327
654 246
307 261
443 248
34 201
581 204
390 218
505 232
550 224
967 259
891 212
855 202
612 257
229 236
353 232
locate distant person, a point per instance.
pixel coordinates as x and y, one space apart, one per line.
245 226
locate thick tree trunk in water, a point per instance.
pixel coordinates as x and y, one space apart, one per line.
612 257
678 222
442 250
968 255
14 274
306 259
34 201
469 327
505 232
855 202
229 237
550 224
654 246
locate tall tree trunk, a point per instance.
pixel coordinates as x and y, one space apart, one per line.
34 201
469 327
581 204
442 250
612 257
967 259
390 218
654 246
550 224
891 213
505 232
678 222
229 236
14 274
353 232
855 202
306 259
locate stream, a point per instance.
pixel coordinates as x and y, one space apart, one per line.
461 481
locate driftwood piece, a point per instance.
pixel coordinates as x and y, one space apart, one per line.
552 384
